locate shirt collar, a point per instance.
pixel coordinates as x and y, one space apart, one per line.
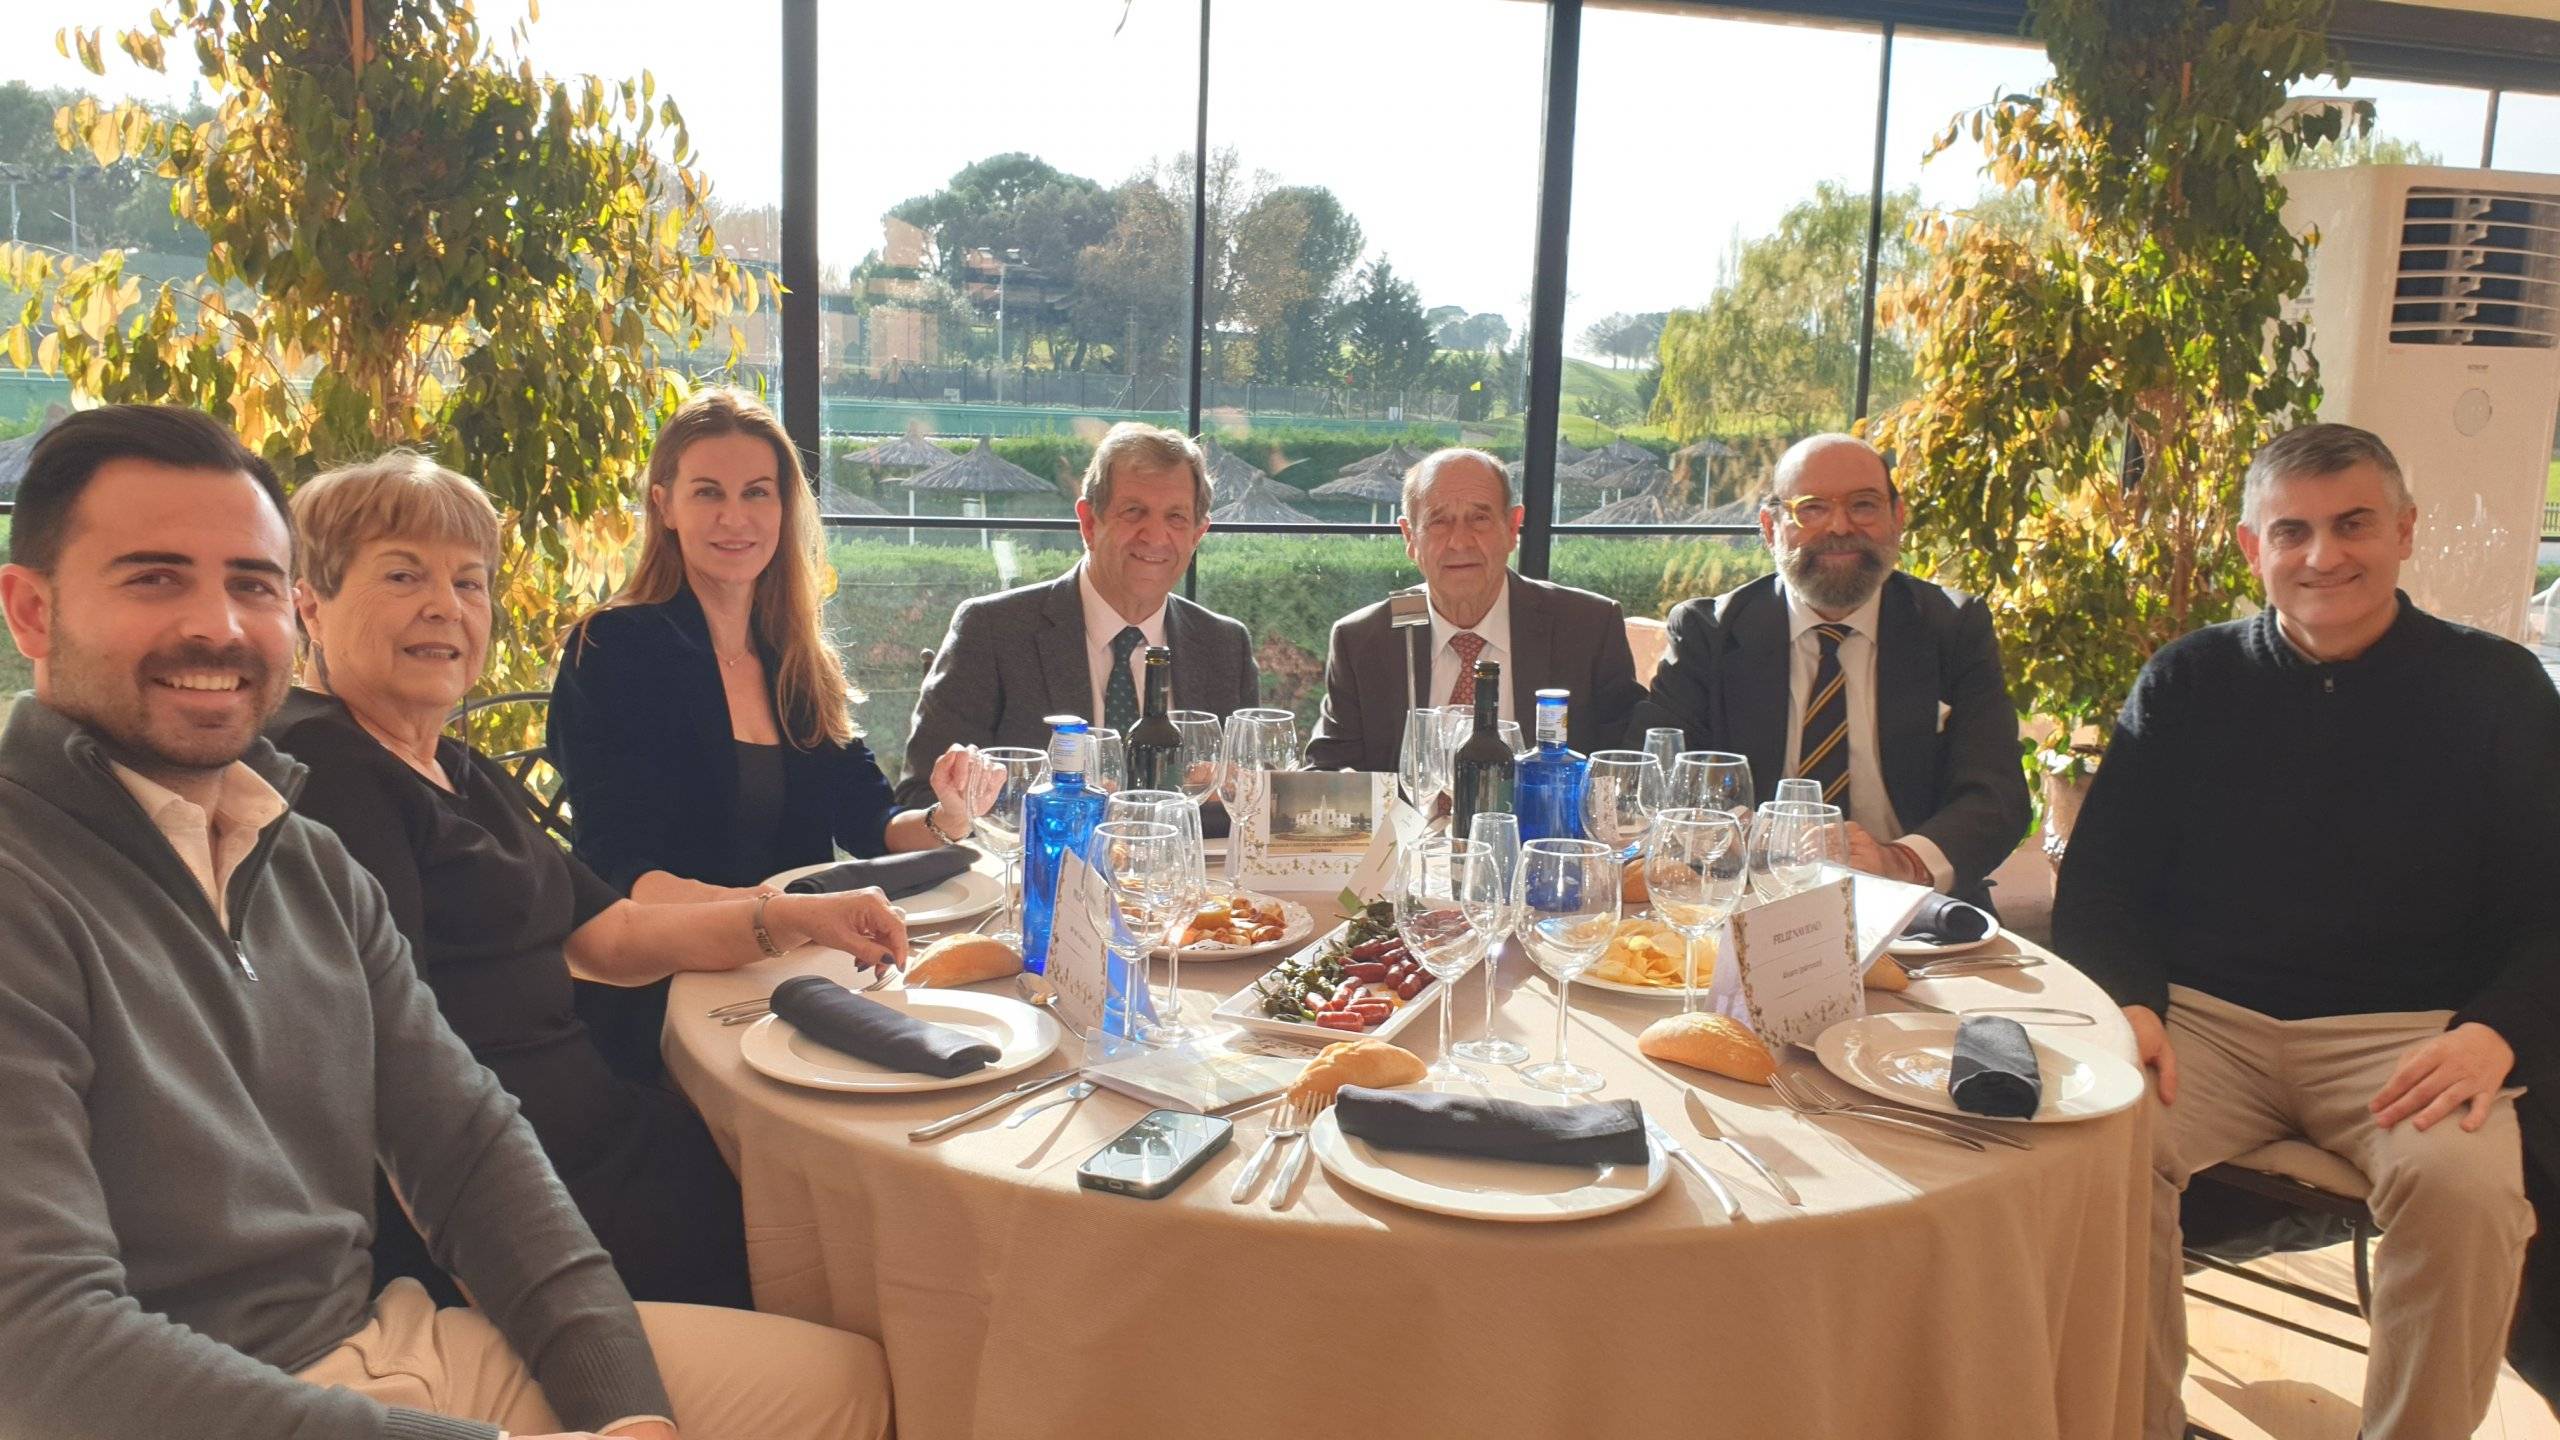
1801 616
245 803
1102 623
1494 628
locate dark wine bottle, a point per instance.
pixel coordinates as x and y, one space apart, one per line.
1482 773
1153 743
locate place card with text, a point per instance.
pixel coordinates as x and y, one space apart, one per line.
1794 970
1098 997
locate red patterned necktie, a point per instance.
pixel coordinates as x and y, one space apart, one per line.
1469 645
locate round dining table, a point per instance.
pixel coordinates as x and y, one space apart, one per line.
1921 1290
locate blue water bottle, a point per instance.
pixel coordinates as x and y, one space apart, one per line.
1550 785
1057 817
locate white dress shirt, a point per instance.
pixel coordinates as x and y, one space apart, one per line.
211 845
1494 629
1869 805
1102 625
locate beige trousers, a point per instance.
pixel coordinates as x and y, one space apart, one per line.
2451 1204
733 1374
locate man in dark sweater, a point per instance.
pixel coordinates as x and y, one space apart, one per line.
2315 869
210 1029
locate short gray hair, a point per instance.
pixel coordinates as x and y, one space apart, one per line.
1428 468
2311 451
1149 447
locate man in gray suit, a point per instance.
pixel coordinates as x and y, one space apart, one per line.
1886 689
1074 645
1460 524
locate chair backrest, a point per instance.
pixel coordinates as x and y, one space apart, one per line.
528 765
1646 640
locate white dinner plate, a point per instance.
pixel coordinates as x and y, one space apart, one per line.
1904 1056
1296 922
1026 1035
1244 1008
964 896
1620 987
1478 1189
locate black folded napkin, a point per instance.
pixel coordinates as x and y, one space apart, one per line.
1995 1069
868 1030
1607 1133
898 876
1944 920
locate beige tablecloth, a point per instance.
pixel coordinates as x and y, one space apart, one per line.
1925 1291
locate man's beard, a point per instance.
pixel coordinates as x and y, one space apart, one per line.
1836 589
116 708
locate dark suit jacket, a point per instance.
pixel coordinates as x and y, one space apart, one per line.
1561 639
1014 658
639 730
1724 682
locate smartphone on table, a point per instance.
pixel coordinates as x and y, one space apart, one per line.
1154 1156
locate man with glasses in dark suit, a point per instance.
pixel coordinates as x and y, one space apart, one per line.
1840 668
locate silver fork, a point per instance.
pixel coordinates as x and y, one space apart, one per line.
1286 1125
1809 1105
739 1012
1813 1082
1296 1163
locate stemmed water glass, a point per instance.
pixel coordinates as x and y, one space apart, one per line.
1257 741
1713 780
1195 754
1497 914
1106 759
1799 788
1569 911
1663 743
1693 869
1001 826
1442 884
1621 794
1140 865
1191 886
1789 844
1422 761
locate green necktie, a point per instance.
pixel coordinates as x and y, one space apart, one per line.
1120 693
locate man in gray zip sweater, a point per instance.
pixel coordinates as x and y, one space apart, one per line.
210 1030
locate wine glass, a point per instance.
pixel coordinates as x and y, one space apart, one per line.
1139 862
1498 916
1195 757
1663 743
1438 882
1001 826
1694 872
1257 741
1191 880
1715 780
1621 793
1569 911
1799 788
1422 761
1106 759
1789 843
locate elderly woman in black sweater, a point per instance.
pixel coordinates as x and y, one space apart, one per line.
399 559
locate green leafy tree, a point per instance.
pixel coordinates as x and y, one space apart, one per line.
1303 344
125 205
2091 388
1390 341
412 240
1777 343
1039 219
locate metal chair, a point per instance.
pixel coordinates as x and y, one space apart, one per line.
530 767
2302 1177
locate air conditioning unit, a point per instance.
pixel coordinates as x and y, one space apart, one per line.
2434 305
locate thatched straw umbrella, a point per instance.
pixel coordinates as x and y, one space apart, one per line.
1376 485
1230 476
981 471
1261 501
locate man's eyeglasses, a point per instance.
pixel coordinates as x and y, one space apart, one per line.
1813 512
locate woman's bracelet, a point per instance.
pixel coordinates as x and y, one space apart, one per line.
932 822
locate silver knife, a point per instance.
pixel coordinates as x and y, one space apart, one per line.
1947 1123
1695 1166
949 1123
1703 1118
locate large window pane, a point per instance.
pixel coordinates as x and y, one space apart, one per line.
2528 132
1719 241
1288 590
1648 574
1372 214
2413 124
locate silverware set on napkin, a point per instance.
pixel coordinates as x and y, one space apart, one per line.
744 1012
1810 1096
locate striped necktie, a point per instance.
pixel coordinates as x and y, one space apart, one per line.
1825 746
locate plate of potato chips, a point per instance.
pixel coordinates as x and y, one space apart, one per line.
1646 957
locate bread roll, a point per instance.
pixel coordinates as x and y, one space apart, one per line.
1717 1043
962 960
1373 1063
1886 975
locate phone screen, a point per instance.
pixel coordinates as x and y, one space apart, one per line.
1159 1150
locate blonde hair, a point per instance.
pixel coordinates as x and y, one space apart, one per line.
809 687
1147 447
397 495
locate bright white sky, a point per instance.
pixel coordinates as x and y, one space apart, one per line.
1422 115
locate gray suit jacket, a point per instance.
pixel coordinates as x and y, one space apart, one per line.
1561 639
1015 657
1724 681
